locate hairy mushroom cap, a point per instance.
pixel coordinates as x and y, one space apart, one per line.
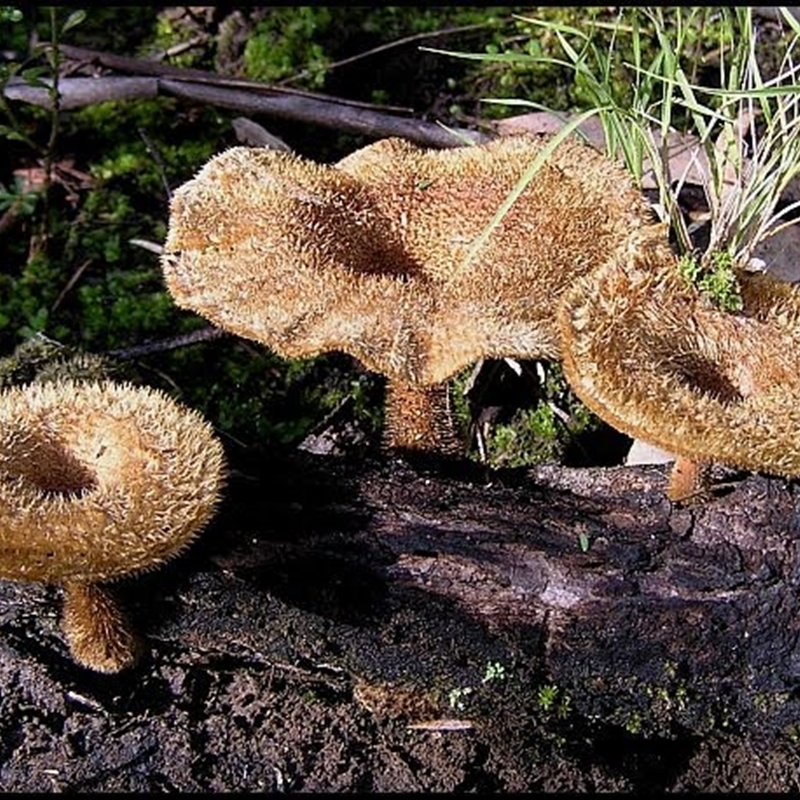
369 256
652 357
98 480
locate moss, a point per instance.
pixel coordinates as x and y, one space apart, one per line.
287 41
175 26
541 434
715 277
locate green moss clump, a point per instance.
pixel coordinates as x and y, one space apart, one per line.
715 277
539 433
287 41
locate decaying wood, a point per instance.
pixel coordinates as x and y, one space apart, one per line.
390 588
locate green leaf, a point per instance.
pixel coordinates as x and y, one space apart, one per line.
32 76
75 18
514 58
13 135
558 27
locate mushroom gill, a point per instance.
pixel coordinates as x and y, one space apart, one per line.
653 357
97 481
371 257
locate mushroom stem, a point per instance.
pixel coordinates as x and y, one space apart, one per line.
687 479
418 418
97 631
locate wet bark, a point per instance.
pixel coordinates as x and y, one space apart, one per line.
341 602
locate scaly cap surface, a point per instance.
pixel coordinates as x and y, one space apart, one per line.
99 480
367 256
654 359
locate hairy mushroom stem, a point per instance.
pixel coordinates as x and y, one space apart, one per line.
688 478
98 481
98 632
418 418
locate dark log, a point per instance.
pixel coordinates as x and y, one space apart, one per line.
549 628
327 114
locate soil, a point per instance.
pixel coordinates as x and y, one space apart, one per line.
298 646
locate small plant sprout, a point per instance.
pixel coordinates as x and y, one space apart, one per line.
546 696
553 700
457 697
717 280
495 671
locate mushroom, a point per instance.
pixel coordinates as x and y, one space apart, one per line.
98 481
654 358
385 256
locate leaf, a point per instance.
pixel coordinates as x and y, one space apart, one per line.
75 18
32 76
12 135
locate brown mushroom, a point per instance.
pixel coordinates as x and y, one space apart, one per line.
98 481
372 256
654 358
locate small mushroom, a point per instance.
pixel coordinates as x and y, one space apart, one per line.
383 256
654 358
98 481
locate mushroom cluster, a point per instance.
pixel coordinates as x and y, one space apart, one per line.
392 255
381 256
99 480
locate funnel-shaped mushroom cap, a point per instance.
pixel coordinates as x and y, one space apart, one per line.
369 256
98 480
656 360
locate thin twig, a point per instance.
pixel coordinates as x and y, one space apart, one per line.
182 47
383 47
70 283
201 335
156 156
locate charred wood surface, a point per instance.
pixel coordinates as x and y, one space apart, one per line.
386 589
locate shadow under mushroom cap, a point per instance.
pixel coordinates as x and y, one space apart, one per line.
653 358
368 256
100 480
